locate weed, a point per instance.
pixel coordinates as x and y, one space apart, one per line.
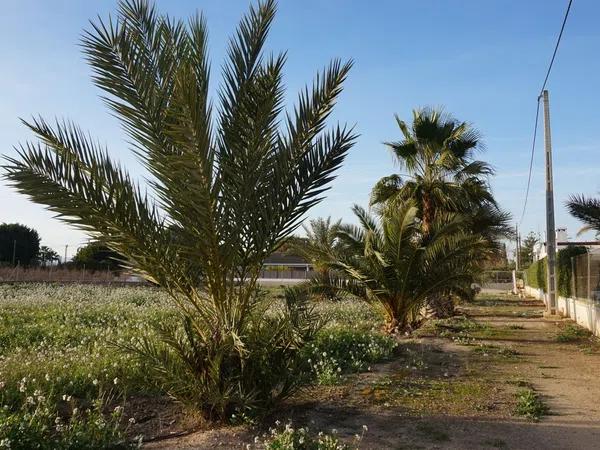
530 405
573 333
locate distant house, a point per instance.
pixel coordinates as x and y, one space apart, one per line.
282 259
562 241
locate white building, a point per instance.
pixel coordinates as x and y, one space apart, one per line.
562 241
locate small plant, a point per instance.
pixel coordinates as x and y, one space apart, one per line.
573 333
289 438
530 405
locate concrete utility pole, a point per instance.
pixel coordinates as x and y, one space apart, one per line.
517 250
550 231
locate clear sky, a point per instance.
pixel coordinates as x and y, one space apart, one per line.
484 61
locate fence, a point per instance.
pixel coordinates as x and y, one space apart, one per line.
586 276
497 280
58 274
578 286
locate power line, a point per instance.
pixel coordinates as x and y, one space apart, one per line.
537 113
562 28
537 116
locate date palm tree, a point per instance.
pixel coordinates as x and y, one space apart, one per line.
230 180
587 210
437 153
390 262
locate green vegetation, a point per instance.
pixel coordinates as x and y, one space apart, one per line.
587 210
573 333
536 273
530 405
62 342
388 261
229 187
96 256
289 438
19 244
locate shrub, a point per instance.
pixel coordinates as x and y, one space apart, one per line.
565 269
536 273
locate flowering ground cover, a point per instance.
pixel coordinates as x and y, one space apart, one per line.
66 382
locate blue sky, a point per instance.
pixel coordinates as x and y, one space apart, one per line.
484 61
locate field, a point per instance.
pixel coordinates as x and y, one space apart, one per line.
62 349
492 371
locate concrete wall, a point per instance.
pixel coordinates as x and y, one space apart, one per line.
583 311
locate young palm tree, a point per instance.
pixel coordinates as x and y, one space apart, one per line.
587 210
388 262
321 241
231 182
437 152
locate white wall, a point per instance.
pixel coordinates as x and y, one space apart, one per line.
585 312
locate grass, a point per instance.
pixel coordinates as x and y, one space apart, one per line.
530 405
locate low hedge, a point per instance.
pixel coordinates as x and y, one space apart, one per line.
536 273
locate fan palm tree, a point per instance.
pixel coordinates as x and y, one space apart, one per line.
231 181
388 261
437 152
442 179
587 210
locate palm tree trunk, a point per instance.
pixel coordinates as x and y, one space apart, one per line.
427 214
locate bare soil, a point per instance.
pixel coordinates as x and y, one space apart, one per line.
453 388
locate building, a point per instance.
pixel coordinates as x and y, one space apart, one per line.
562 241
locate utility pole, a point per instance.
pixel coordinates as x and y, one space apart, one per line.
550 231
518 250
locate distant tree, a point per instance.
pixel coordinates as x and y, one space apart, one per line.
527 249
47 256
97 256
20 240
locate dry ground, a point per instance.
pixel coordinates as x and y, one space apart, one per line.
454 387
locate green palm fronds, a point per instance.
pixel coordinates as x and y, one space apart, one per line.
228 184
389 261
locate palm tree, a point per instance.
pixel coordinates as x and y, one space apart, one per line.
389 262
230 181
587 210
321 241
437 152
442 179
47 256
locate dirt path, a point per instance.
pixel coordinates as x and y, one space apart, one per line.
458 391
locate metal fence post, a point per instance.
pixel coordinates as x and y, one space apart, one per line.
573 278
589 276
